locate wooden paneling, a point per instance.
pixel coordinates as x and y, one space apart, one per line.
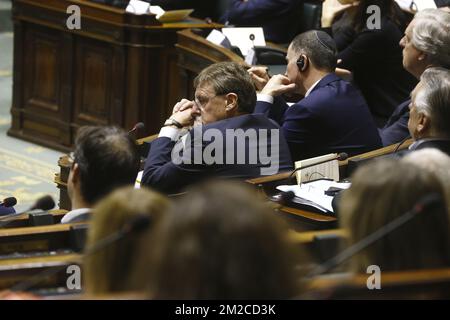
117 69
92 89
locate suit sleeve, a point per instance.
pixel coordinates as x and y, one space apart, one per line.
252 12
274 111
299 128
396 132
168 175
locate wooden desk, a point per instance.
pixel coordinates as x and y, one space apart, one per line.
309 236
117 69
14 271
196 53
415 284
58 237
23 221
267 186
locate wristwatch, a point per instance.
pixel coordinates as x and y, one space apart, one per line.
172 122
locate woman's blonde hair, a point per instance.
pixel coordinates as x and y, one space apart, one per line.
383 191
112 269
223 242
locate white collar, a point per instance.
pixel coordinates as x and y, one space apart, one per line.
312 87
72 215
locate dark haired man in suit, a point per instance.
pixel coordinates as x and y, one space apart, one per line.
104 159
333 116
231 141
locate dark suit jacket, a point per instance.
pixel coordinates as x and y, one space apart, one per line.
375 58
164 174
5 211
277 17
396 129
440 144
333 118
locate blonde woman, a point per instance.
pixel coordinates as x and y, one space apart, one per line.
112 269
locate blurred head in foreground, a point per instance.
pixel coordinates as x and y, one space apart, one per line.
112 269
383 191
223 242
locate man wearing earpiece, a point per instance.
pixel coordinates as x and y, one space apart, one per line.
333 115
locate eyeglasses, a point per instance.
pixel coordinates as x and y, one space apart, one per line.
204 100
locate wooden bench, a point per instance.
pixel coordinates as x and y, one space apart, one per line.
309 220
56 237
415 284
26 221
19 270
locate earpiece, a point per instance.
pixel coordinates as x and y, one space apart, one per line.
301 63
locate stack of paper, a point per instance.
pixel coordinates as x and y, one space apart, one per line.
139 7
313 193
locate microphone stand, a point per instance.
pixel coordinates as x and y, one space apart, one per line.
376 235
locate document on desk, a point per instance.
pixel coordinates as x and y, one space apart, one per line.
313 193
245 38
416 5
328 169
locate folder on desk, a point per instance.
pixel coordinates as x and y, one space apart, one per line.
312 194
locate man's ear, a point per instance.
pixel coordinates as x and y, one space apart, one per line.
422 56
231 102
423 124
75 173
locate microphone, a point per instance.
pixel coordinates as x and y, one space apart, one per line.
138 127
137 224
8 202
252 39
340 157
44 203
425 202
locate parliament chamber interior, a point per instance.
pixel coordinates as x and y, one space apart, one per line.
308 141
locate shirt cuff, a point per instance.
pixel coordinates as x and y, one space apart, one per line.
169 132
264 98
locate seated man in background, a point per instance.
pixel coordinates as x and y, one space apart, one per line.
232 142
429 118
6 210
211 250
426 44
278 18
393 188
105 158
333 116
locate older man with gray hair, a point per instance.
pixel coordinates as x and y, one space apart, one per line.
426 44
429 118
434 161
